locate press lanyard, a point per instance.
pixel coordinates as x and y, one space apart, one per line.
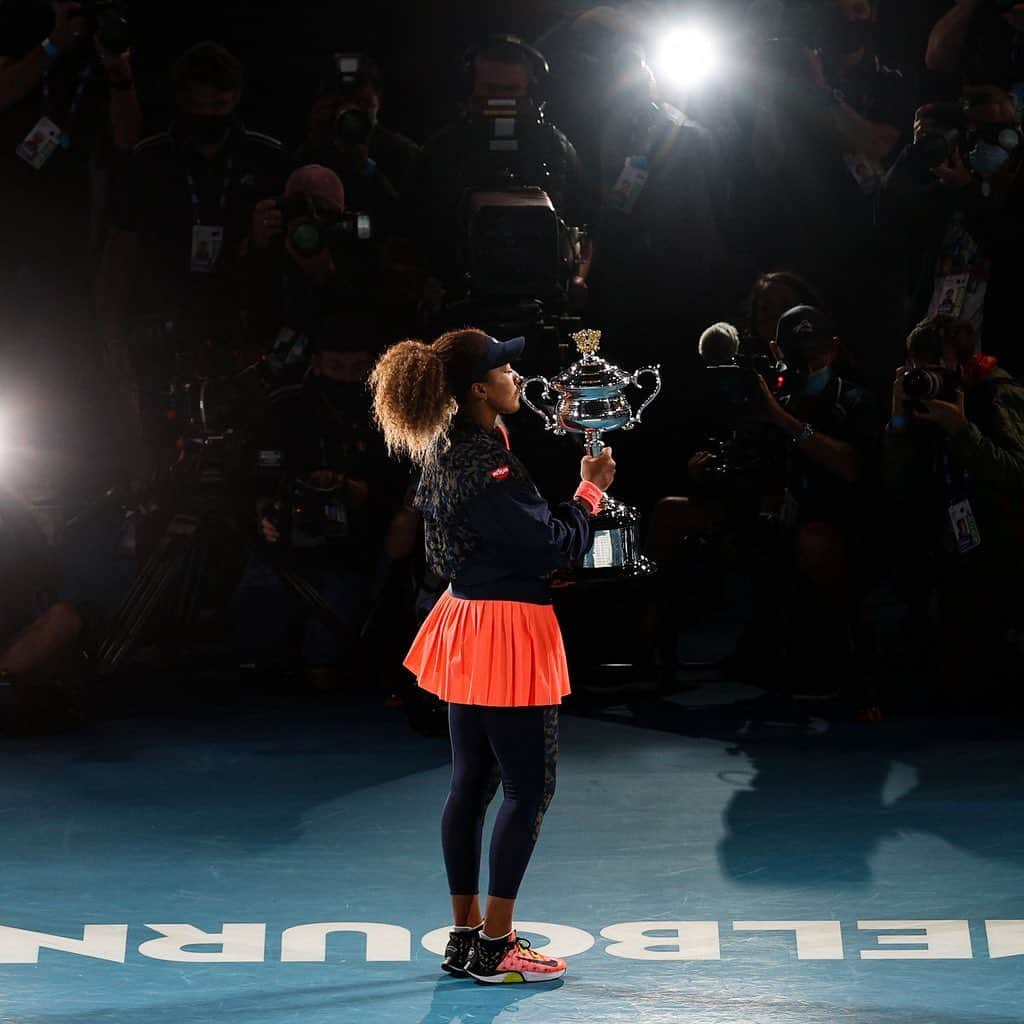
76 101
193 188
965 479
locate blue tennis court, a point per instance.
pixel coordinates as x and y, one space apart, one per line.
279 862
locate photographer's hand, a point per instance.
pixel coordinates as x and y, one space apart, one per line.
948 415
267 223
953 173
769 410
695 467
118 66
899 399
816 69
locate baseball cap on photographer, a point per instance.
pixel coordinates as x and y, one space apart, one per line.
804 330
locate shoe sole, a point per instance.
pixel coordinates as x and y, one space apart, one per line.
517 977
457 972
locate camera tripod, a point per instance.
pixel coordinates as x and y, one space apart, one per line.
190 551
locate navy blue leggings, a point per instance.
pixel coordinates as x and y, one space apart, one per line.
517 747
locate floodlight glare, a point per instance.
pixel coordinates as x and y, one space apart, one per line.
686 56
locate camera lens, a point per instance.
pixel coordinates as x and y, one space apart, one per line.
922 383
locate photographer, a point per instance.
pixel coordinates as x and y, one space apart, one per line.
67 108
954 197
694 536
323 493
347 136
981 40
304 260
501 74
954 459
825 549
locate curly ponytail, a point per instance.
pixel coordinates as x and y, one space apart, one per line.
417 387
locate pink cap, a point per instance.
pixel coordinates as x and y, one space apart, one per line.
319 183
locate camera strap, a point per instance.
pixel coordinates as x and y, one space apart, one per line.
193 188
84 77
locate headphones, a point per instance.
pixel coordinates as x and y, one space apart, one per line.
534 60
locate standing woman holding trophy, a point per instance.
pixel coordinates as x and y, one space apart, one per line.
491 647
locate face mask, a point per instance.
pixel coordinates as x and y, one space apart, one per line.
204 129
987 159
817 381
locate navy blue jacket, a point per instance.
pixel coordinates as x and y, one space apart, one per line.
488 530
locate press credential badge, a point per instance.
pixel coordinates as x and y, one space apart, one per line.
965 527
206 242
40 143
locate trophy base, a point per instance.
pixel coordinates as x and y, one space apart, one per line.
615 552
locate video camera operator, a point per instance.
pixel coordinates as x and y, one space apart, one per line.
662 222
501 143
347 136
954 195
954 459
828 121
323 492
981 40
171 271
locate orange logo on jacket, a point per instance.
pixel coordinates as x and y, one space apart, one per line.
500 473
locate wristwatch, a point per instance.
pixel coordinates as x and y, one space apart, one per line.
805 435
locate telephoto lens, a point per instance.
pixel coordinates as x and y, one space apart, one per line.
925 383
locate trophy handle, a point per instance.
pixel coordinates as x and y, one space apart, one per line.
549 418
655 371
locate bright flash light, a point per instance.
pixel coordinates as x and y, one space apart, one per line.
687 56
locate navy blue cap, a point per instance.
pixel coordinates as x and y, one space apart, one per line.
803 329
497 353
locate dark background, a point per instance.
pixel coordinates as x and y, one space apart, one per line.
416 42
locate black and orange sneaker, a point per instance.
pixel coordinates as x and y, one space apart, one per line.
458 950
511 961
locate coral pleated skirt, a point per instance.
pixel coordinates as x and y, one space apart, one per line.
490 653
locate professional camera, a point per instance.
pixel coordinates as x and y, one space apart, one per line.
931 382
515 245
106 21
310 230
737 386
311 517
214 407
945 135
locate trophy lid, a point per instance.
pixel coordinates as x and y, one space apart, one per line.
591 371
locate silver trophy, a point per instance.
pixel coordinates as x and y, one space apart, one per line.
589 398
